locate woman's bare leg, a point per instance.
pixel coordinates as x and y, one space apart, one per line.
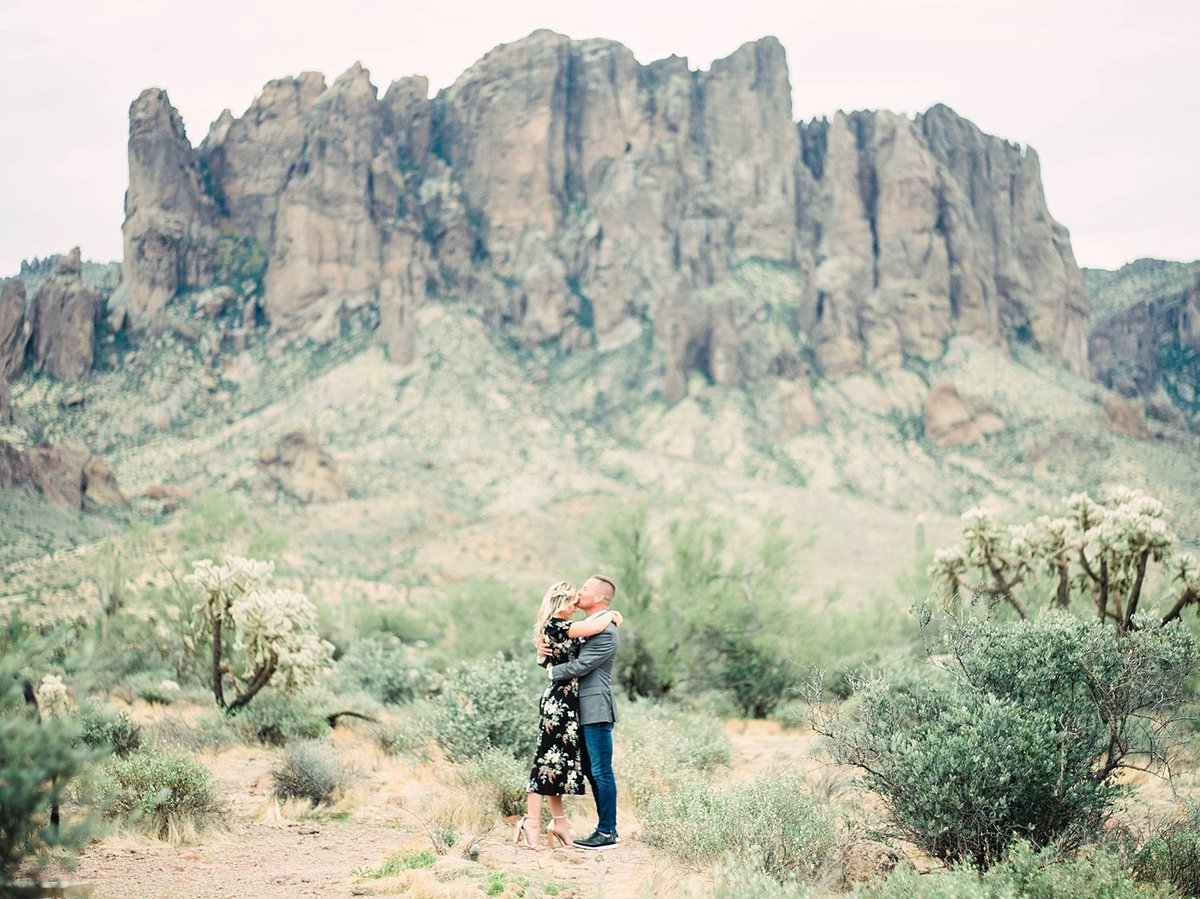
558 827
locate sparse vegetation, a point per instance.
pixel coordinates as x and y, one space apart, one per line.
488 704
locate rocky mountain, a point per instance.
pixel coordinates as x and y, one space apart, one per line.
1147 345
576 198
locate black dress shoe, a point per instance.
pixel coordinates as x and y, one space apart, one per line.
597 840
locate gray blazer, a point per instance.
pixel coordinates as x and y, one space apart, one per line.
593 667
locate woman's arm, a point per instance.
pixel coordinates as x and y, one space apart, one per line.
591 626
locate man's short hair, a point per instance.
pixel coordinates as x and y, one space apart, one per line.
612 588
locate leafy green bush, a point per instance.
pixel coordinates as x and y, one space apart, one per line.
664 748
1024 874
103 727
1172 855
771 820
309 770
385 669
40 762
1023 737
277 719
166 793
499 777
488 704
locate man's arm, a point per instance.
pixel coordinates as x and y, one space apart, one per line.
596 651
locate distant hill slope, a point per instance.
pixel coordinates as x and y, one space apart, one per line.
1115 290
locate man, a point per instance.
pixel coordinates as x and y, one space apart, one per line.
597 711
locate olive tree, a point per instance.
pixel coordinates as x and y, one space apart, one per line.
1099 550
258 636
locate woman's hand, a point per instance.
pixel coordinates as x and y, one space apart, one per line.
617 618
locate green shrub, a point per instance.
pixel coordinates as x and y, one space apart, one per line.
1172 855
166 793
499 777
1024 874
401 739
385 669
488 704
309 770
1023 738
277 719
771 820
663 748
103 727
40 763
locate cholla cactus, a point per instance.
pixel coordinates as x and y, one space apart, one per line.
274 630
277 631
1109 545
52 697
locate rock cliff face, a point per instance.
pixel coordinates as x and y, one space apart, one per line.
1153 345
574 196
171 219
62 316
13 336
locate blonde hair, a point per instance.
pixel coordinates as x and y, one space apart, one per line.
557 598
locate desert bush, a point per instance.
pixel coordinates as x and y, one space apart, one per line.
212 731
277 719
499 778
310 770
166 793
269 636
403 739
488 704
386 669
1172 854
1024 874
103 727
40 763
1022 736
745 877
664 748
155 687
771 820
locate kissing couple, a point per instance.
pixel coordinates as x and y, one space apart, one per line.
577 713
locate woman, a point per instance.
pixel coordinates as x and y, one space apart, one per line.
557 768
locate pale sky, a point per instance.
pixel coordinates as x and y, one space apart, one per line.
1105 90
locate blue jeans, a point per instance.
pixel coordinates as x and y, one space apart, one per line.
597 766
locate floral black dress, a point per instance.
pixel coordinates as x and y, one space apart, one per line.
557 765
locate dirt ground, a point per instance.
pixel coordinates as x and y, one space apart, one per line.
278 851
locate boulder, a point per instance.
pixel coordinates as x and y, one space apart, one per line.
949 420
299 466
67 476
1127 416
